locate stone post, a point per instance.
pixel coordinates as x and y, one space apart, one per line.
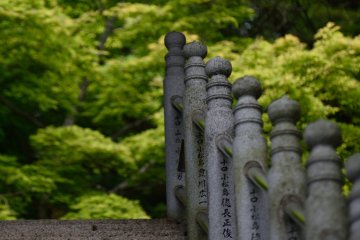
353 173
173 91
249 152
325 206
195 165
219 126
286 176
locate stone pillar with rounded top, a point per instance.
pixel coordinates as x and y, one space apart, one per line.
249 152
353 173
286 177
325 214
219 126
194 111
173 91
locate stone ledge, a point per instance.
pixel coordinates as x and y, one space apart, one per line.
135 229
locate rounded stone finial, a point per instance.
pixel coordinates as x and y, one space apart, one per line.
218 65
353 167
322 132
195 49
174 39
284 108
247 85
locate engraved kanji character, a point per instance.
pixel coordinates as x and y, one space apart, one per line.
225 202
224 177
179 175
253 191
177 120
202 183
227 233
226 213
254 199
255 216
225 192
255 236
224 161
201 172
253 209
200 152
202 194
201 162
225 181
227 223
255 226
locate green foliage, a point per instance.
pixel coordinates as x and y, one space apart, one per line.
324 79
302 18
104 206
41 61
72 145
147 181
84 159
6 213
144 23
21 182
81 124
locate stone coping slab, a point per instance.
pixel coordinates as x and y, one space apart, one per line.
134 229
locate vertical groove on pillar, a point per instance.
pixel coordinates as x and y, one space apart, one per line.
325 206
219 124
249 149
195 165
173 88
286 176
353 173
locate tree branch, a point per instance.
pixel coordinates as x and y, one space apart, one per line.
123 185
128 127
70 119
109 27
19 112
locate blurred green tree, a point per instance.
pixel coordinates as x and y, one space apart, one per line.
81 124
303 18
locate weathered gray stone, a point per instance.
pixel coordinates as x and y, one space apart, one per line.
325 214
218 67
257 216
353 173
219 124
195 164
323 132
249 150
161 229
173 91
195 49
286 176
